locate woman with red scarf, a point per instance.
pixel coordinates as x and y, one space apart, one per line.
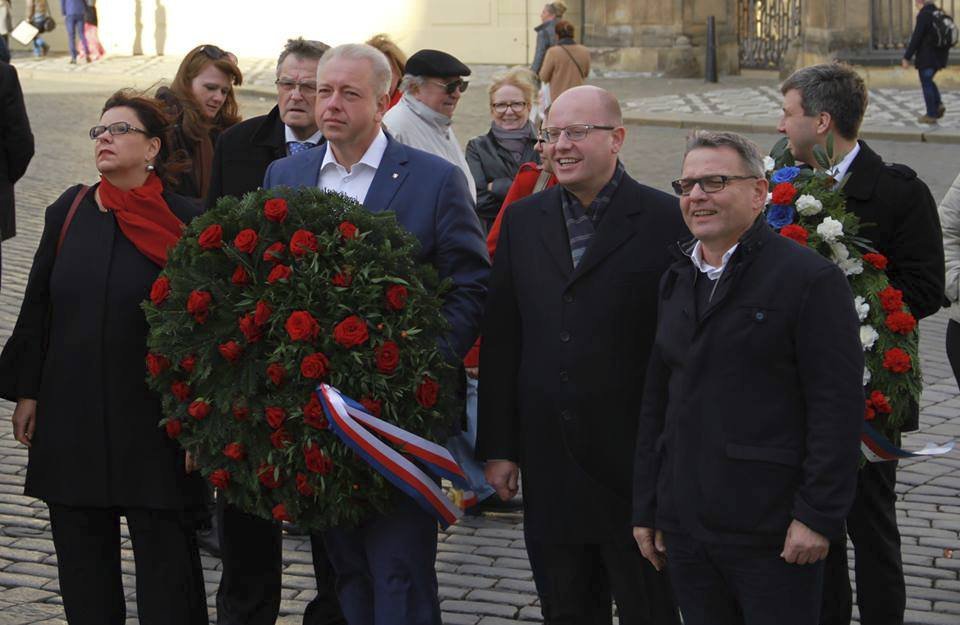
75 367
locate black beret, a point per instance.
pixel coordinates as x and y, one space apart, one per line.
435 63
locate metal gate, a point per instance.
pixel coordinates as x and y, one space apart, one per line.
766 28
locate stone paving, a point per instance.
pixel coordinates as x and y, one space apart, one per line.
482 567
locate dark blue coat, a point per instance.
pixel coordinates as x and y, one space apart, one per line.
922 40
72 7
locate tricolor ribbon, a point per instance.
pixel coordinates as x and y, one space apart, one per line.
358 430
876 448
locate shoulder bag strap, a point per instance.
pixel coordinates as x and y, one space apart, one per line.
579 69
542 181
70 213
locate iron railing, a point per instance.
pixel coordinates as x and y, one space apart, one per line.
766 28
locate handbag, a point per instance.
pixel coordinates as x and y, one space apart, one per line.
90 15
43 23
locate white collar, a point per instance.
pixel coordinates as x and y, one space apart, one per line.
840 170
371 158
315 138
696 257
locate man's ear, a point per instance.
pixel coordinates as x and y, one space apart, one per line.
824 123
619 134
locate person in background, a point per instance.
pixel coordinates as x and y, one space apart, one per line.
930 59
74 365
16 145
73 12
546 36
567 64
202 101
6 25
36 12
92 32
398 63
950 221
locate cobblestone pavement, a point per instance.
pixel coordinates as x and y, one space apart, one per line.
482 567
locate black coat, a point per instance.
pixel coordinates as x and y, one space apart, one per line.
751 416
490 162
78 348
922 42
564 356
16 145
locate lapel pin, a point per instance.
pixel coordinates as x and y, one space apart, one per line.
395 176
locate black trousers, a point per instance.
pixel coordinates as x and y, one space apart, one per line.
575 583
872 526
741 585
169 575
252 554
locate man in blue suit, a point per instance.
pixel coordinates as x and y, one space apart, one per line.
385 567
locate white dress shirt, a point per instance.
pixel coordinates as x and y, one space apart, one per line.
840 170
356 182
315 138
712 272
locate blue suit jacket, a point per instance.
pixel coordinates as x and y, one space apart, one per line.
430 198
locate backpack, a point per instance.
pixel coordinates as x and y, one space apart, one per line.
945 31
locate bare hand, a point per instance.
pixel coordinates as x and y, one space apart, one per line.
472 372
904 63
803 545
651 546
504 476
190 463
24 420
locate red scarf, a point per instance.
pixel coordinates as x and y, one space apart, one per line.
144 217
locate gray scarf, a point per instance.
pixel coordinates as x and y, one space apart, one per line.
515 141
426 113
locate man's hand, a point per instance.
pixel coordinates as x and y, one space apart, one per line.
190 463
504 476
25 420
904 63
651 545
803 545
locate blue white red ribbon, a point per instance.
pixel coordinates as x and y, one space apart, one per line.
876 448
358 429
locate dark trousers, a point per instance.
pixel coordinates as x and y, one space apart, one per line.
252 555
169 575
953 347
385 568
75 25
577 581
741 585
931 94
872 526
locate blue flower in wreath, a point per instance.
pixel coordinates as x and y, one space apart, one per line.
784 174
779 215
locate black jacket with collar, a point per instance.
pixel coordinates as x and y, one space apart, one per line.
922 42
490 162
752 407
16 145
565 352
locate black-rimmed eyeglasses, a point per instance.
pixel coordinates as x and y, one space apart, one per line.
708 184
501 107
573 132
116 128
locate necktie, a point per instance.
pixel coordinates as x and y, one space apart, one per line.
295 147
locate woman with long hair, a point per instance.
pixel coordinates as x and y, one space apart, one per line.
398 63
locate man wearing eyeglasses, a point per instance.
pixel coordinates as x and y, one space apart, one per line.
432 85
749 433
567 331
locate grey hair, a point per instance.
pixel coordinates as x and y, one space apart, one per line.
411 84
833 88
746 149
557 8
382 74
302 49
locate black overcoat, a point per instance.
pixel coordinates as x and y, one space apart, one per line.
753 404
16 145
564 356
922 42
78 348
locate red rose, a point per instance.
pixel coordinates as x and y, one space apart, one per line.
211 238
313 414
276 373
784 193
275 209
275 416
880 402
348 230
240 276
234 451
198 305
188 362
901 322
314 366
396 297
156 364
274 253
246 240
427 392
220 478
231 351
877 260
199 409
796 233
241 413
301 242
173 428
891 299
280 438
160 290
269 476
897 360
316 460
388 357
372 406
351 332
180 390
869 414
280 513
248 326
301 326
261 314
303 485
342 280
279 272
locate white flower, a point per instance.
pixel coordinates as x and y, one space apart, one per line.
769 198
868 336
829 229
866 375
838 251
851 267
808 205
863 308
768 163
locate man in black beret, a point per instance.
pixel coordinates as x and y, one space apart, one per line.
432 85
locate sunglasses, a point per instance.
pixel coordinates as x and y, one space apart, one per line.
453 85
116 128
214 53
